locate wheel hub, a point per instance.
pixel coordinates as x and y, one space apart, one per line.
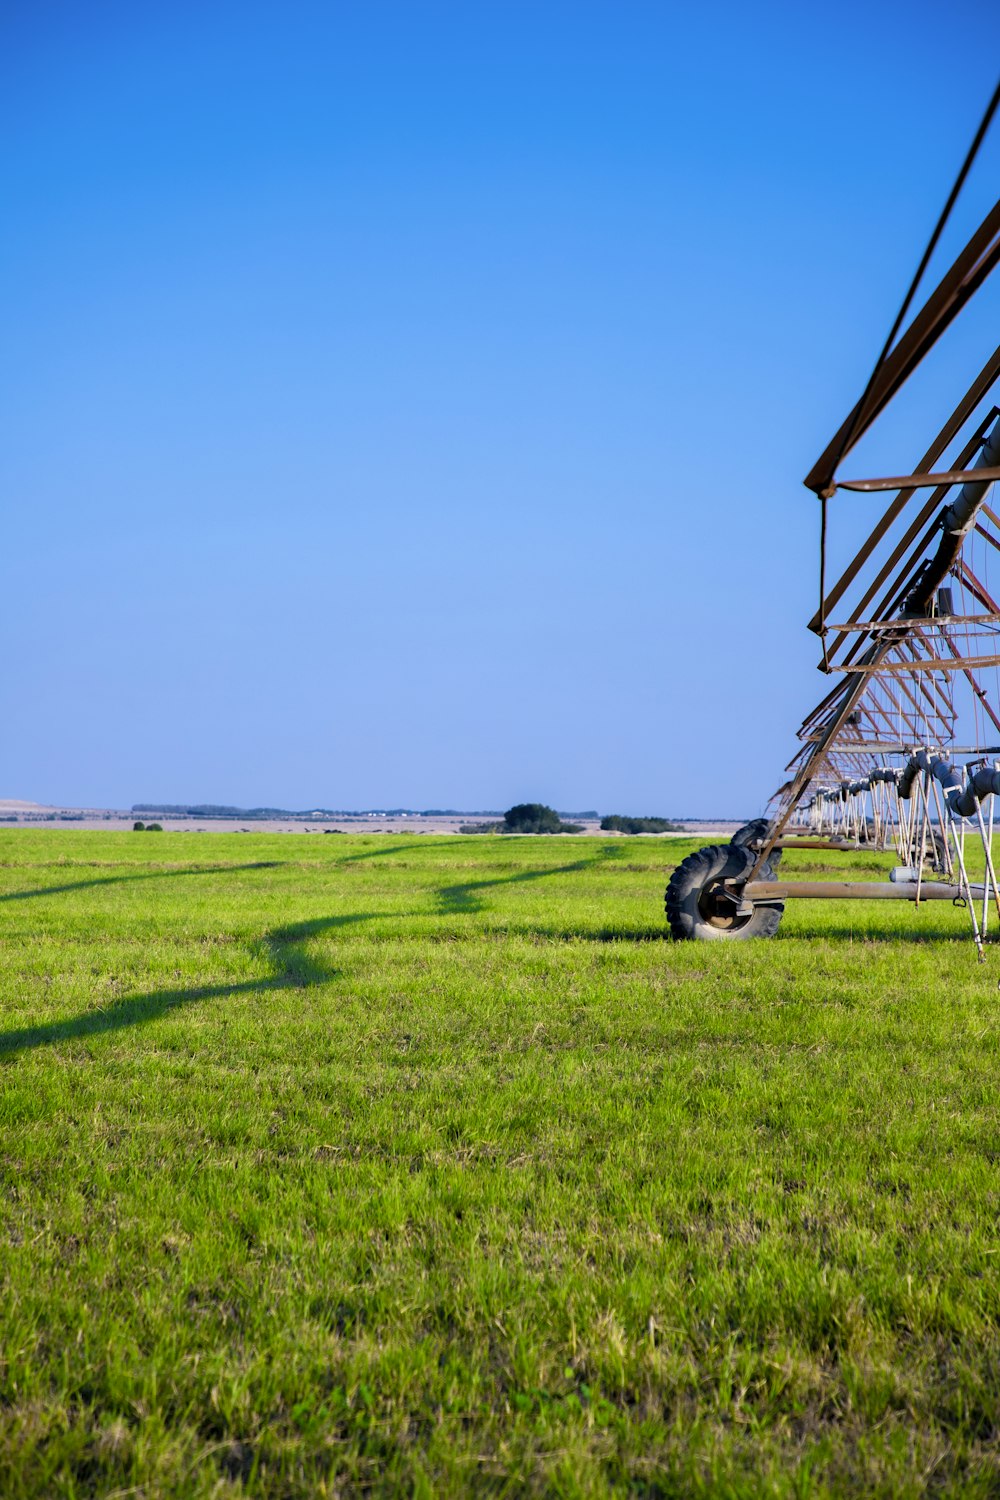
724 907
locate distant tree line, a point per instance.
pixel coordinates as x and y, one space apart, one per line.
616 823
220 810
223 810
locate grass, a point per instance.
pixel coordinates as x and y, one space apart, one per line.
426 1165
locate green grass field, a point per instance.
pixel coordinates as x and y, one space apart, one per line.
427 1165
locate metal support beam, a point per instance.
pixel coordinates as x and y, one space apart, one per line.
848 846
852 890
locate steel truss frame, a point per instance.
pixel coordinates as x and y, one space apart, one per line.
904 647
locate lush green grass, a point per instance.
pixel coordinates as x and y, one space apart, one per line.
427 1165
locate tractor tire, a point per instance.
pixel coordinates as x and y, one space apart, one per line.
755 832
691 911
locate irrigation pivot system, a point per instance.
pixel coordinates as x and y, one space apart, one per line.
903 753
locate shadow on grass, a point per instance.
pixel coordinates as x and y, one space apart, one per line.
132 1012
260 864
628 935
422 845
82 885
842 932
285 950
464 897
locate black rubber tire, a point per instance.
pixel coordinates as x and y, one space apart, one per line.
755 832
694 877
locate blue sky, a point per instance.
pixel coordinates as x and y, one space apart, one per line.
407 405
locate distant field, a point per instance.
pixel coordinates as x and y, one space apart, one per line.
429 1166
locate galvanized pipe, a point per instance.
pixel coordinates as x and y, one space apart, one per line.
852 890
850 845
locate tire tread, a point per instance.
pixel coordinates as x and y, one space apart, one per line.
714 862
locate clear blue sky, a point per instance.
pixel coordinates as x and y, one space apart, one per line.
407 404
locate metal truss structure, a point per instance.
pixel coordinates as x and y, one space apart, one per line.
903 751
